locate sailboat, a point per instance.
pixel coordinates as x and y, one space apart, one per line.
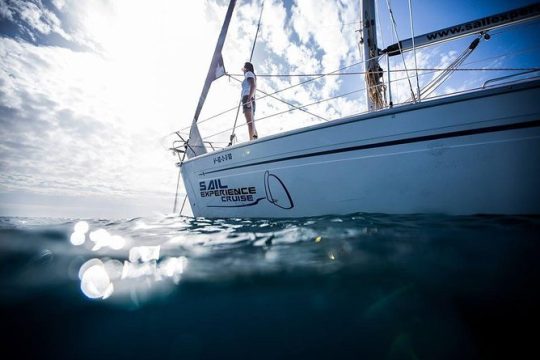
476 152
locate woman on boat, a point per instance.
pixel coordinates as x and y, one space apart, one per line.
248 98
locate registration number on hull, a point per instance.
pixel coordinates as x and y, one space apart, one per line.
222 158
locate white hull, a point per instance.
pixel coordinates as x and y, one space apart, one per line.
466 154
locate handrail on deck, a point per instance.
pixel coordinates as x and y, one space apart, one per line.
508 76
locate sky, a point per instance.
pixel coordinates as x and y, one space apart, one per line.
91 91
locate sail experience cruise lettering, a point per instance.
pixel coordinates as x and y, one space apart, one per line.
216 188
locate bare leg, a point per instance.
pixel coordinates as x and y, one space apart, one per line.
251 124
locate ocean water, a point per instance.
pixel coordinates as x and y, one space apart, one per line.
363 286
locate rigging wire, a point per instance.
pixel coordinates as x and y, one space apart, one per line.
303 106
394 27
443 76
381 32
283 101
339 73
257 32
178 181
516 27
377 18
414 50
356 91
517 52
297 108
394 70
233 135
427 71
317 77
176 194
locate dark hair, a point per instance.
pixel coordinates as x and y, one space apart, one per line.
249 67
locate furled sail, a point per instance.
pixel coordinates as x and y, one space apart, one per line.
195 145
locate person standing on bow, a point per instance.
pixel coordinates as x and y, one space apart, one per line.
249 85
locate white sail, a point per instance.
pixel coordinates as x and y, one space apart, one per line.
195 145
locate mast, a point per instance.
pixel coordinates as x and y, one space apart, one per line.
373 76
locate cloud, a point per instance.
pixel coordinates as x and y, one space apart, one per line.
33 16
275 31
59 4
5 11
65 132
89 124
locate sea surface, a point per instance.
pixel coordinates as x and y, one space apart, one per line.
365 286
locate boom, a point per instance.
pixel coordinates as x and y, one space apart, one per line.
506 18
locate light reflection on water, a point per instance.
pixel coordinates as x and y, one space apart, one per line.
122 255
95 280
156 251
98 276
422 286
